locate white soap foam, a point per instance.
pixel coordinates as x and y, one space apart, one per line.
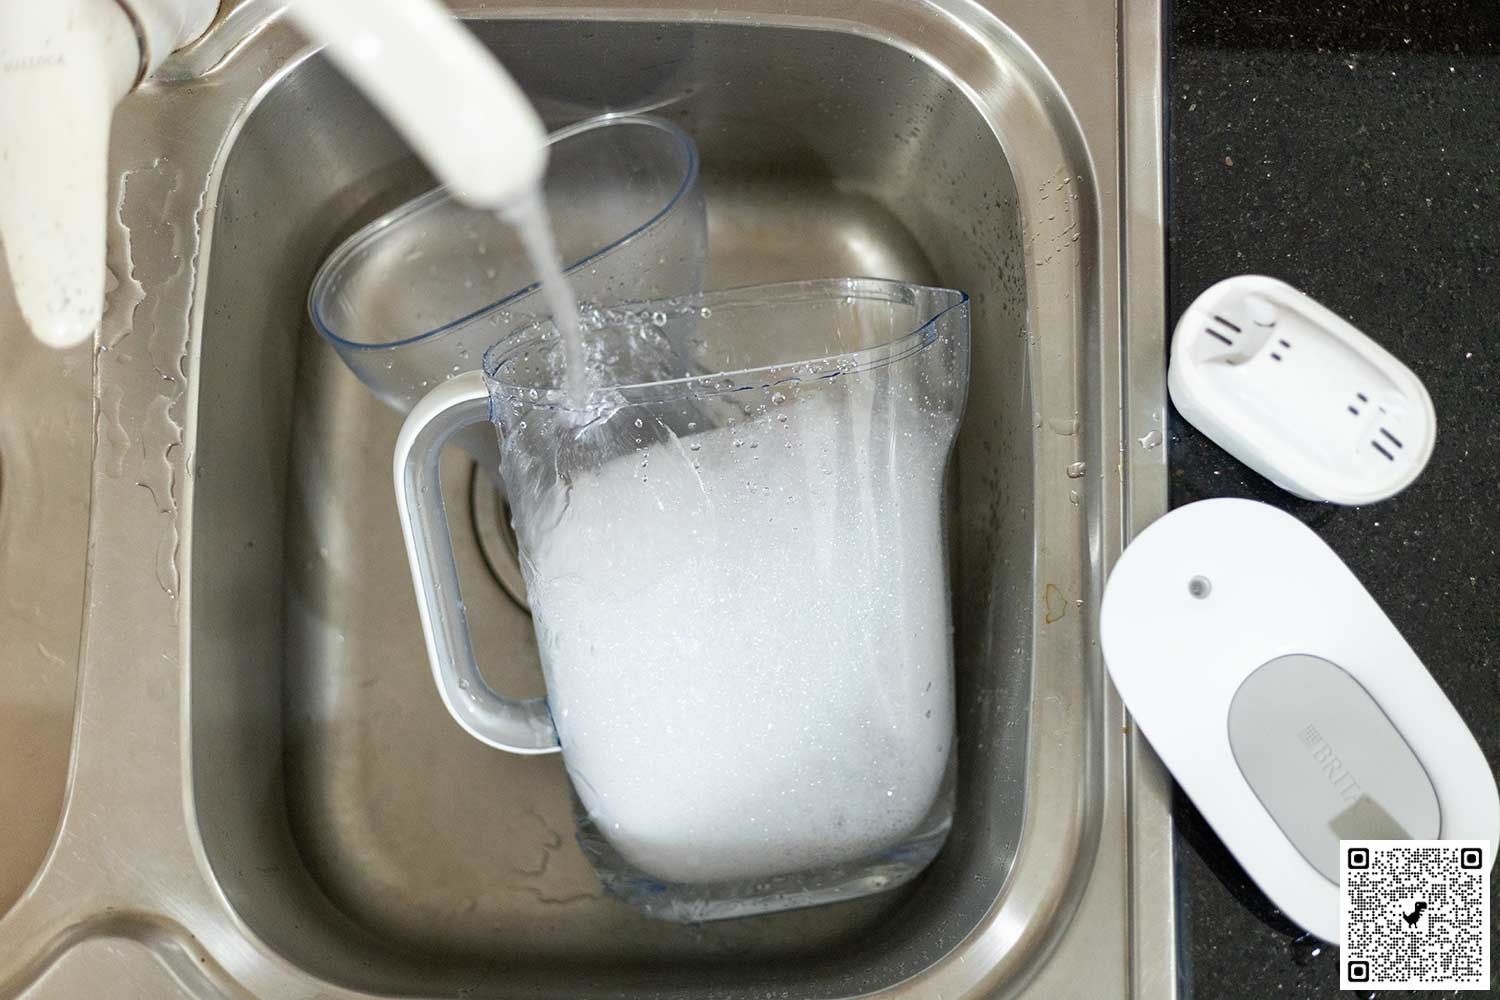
747 641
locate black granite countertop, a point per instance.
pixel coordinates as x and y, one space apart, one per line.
1352 150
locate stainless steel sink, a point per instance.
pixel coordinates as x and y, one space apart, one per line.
46 433
267 797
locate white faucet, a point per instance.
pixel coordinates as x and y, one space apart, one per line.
65 64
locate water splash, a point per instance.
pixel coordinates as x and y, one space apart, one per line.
154 275
161 446
123 292
1306 949
529 216
1063 426
112 441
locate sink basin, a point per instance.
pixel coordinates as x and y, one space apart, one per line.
433 844
257 730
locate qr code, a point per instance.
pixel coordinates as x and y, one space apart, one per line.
1414 914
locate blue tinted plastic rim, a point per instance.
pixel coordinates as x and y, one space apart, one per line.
336 260
922 336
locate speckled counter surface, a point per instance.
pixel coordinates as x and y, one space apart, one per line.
1354 151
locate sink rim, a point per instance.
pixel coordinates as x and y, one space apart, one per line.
188 893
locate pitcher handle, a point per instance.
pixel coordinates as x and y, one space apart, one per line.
518 726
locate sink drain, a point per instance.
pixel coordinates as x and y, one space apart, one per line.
497 540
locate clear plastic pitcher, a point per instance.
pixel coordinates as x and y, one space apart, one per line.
735 555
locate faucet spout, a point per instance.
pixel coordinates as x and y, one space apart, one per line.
441 89
63 66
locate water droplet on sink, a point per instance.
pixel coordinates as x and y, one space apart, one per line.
1305 949
1076 470
1150 439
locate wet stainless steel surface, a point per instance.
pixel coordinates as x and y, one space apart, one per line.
46 436
267 797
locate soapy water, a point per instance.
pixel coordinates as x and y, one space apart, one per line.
747 649
746 637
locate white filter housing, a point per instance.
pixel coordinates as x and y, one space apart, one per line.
1285 702
1298 394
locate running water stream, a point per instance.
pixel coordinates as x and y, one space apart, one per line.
529 217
